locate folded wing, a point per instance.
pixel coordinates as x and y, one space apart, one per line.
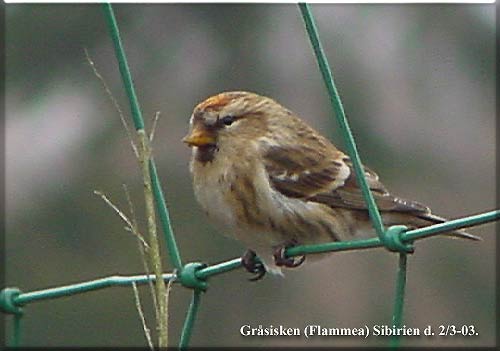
328 177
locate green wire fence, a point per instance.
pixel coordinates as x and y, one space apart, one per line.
194 275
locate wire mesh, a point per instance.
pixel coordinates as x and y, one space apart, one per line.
195 275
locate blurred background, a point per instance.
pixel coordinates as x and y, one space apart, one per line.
417 83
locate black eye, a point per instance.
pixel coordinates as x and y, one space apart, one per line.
228 120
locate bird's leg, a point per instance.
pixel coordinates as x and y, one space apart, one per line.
281 260
251 264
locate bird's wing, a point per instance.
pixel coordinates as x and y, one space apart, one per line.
328 178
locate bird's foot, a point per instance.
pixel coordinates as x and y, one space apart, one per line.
250 262
281 260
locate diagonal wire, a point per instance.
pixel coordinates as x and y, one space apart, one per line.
139 125
338 109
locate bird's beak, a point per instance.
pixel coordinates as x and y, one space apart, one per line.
199 137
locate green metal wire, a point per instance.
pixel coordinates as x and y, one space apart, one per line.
220 268
139 124
123 65
165 218
16 339
20 299
187 329
205 273
223 267
83 287
151 178
464 222
410 235
397 318
353 154
341 118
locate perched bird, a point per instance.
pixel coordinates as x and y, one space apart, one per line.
273 181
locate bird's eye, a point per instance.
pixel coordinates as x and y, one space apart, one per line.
228 120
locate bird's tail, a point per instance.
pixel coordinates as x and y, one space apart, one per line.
459 233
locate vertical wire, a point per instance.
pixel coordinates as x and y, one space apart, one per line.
399 298
187 329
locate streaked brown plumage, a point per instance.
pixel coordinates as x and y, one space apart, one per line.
271 180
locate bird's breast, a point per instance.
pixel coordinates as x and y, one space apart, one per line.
239 197
211 188
233 194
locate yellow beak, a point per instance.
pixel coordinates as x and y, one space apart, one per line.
199 137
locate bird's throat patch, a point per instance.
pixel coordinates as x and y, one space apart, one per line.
206 153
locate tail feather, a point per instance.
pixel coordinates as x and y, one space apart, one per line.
460 233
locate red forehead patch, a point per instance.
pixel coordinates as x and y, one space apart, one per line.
214 102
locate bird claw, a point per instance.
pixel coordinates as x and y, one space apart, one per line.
252 265
281 260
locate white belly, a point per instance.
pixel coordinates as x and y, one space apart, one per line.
211 194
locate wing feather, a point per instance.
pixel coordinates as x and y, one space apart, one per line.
328 178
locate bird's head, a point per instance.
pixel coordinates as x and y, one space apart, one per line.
230 117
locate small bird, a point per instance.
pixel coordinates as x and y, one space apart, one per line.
273 182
